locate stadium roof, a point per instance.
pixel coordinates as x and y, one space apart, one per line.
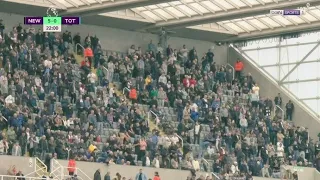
218 19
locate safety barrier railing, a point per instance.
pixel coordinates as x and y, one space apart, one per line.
56 169
78 44
233 71
275 111
4 118
40 168
153 113
180 138
5 177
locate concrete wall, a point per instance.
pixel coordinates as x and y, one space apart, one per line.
304 172
21 163
129 171
121 40
270 89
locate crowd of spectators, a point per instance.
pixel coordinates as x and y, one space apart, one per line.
53 106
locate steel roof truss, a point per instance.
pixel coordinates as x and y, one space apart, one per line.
72 3
227 28
191 7
240 26
219 5
233 4
292 21
167 11
276 20
246 2
253 25
156 13
143 15
265 23
180 9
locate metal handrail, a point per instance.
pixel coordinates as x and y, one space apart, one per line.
105 68
233 71
282 116
151 112
4 118
180 140
2 177
78 44
125 89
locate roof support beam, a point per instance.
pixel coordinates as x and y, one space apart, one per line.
206 7
60 5
72 3
219 5
167 11
228 28
180 9
232 14
305 19
233 4
253 25
144 16
247 3
156 13
241 27
261 2
292 21
276 20
265 23
313 14
191 7
86 2
277 31
109 6
99 1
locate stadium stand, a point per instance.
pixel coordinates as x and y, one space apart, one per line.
62 96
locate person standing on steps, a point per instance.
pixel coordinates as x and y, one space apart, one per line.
97 175
141 176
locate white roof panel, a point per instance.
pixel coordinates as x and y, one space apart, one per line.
164 5
212 6
153 7
283 20
188 10
238 3
247 25
68 5
310 17
235 27
163 13
152 15
270 21
225 4
258 23
175 11
253 2
199 8
296 19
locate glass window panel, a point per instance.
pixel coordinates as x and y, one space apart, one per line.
307 89
253 2
212 6
254 55
308 71
314 105
235 27
258 23
188 10
272 71
315 55
284 69
283 20
293 88
261 43
294 53
175 11
270 21
268 56
199 8
246 25
153 7
310 17
304 38
239 3
296 19
163 13
152 16
225 4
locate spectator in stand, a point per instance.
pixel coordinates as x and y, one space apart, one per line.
238 67
289 110
97 175
71 166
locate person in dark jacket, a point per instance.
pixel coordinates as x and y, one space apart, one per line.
107 176
97 175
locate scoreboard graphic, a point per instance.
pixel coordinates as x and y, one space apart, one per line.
52 22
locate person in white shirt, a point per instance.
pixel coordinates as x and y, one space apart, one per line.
159 49
156 162
47 63
184 51
280 149
243 123
9 99
163 79
255 89
211 150
92 78
111 67
234 167
196 165
174 139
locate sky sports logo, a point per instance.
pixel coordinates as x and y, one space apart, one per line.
287 12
